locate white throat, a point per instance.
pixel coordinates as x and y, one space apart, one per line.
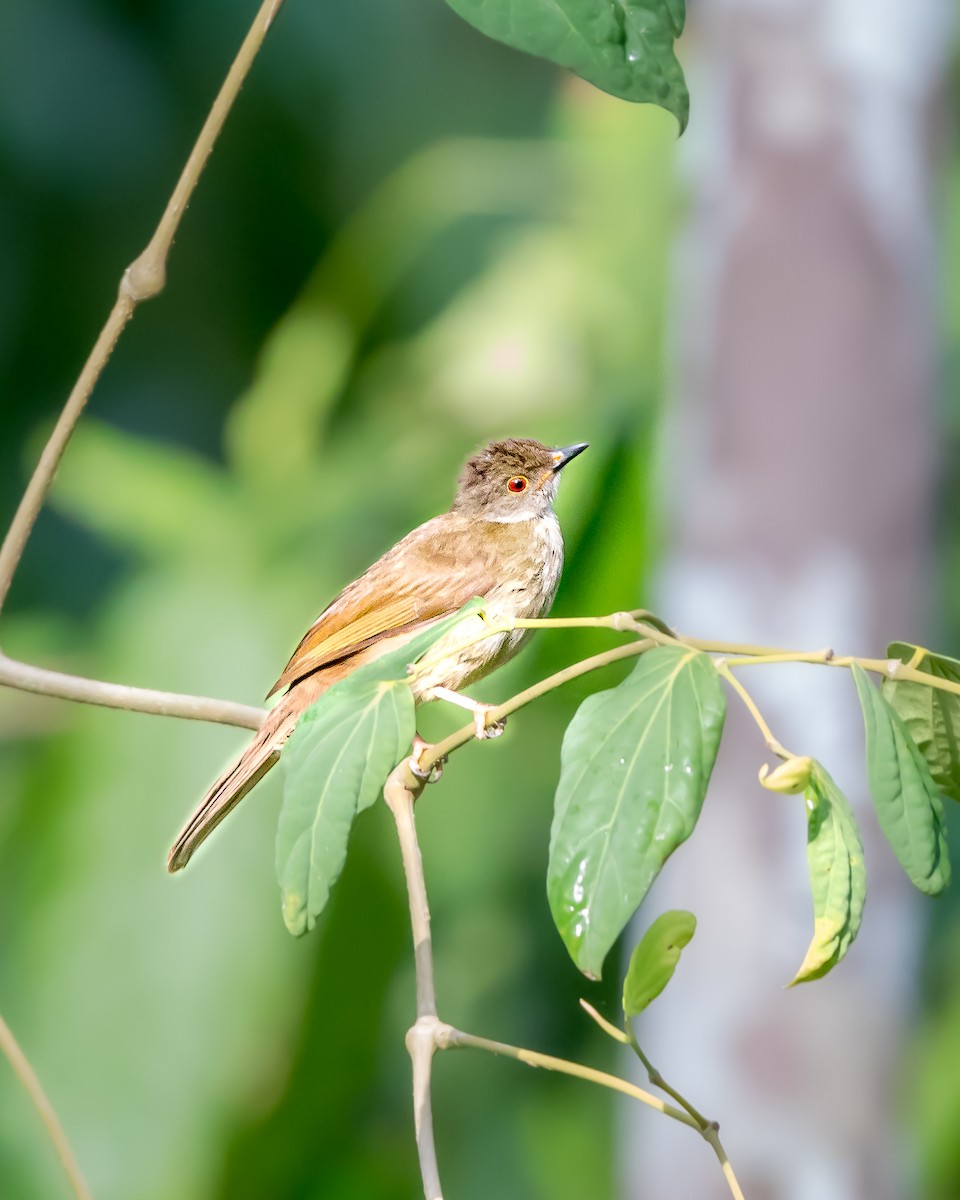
515 517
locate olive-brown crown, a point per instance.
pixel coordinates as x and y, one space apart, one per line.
512 480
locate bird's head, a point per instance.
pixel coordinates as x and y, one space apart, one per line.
512 480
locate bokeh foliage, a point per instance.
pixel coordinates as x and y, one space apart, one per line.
383 267
932 1101
264 431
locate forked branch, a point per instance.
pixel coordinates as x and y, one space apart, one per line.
142 280
429 1034
116 695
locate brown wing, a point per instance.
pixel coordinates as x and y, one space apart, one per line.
432 572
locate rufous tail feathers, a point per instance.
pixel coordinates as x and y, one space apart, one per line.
256 760
234 783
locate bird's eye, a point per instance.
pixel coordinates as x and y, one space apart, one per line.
517 484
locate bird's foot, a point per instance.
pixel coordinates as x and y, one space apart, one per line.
432 773
482 727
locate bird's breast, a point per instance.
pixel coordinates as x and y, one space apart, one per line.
529 563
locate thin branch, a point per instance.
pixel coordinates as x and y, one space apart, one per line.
746 655
452 1038
658 1081
421 1038
114 695
712 1135
421 1044
709 1130
608 1027
142 280
400 797
740 654
772 744
737 654
22 524
31 1084
433 754
823 658
429 1034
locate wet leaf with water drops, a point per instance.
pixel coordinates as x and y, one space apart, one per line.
635 765
624 47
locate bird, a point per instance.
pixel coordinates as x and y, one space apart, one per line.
499 540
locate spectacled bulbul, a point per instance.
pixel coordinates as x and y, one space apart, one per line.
500 540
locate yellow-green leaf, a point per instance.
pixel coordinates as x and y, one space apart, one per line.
655 959
790 777
838 879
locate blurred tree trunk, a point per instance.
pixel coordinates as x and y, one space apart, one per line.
799 470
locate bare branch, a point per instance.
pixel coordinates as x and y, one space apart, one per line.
432 754
421 1043
31 1084
114 695
451 1038
143 279
400 791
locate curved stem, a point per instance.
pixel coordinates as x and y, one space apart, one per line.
658 1081
710 1130
740 655
454 1038
143 279
823 658
712 1135
31 1084
433 754
421 1038
749 703
15 541
115 695
400 798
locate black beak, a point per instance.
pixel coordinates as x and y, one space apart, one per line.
562 456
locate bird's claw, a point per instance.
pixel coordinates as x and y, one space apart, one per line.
430 776
480 727
433 773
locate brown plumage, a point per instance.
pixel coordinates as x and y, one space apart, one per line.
500 540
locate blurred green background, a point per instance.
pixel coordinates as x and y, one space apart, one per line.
404 245
382 269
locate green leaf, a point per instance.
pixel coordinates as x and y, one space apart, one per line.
904 794
655 959
624 47
634 769
677 12
838 878
335 765
931 716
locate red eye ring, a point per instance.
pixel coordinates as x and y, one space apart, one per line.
517 484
